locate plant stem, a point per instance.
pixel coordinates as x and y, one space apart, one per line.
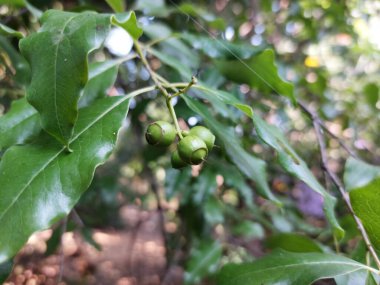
157 80
318 128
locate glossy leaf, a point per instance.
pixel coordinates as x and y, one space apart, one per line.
365 202
294 165
41 182
58 58
117 5
9 32
355 278
19 124
288 268
357 173
292 242
102 75
258 71
252 167
128 22
153 8
204 259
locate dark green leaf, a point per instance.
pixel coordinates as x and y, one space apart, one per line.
102 76
19 124
19 64
292 242
58 58
294 164
365 202
204 260
41 182
258 71
288 268
252 167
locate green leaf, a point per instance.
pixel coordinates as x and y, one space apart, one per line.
153 8
19 124
117 5
128 22
13 2
252 167
258 71
19 64
292 242
288 268
249 229
365 202
357 173
58 58
41 182
294 165
102 75
370 280
9 32
355 278
204 260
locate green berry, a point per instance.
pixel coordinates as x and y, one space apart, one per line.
205 134
177 161
160 133
192 150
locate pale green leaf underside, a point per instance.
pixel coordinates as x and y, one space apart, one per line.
288 268
358 173
41 182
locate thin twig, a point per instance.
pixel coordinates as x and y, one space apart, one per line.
316 118
318 128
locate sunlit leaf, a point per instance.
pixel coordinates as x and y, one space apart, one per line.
288 268
42 181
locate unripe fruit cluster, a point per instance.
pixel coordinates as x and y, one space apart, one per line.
192 149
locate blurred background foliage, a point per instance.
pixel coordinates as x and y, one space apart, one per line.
210 215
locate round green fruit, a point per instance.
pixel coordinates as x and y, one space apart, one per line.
160 133
177 161
205 134
192 150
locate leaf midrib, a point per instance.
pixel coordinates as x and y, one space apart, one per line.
104 113
352 264
55 74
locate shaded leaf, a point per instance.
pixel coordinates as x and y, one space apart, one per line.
292 242
9 32
357 173
19 124
288 268
294 165
258 71
249 229
153 8
102 75
252 167
52 180
365 202
204 260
